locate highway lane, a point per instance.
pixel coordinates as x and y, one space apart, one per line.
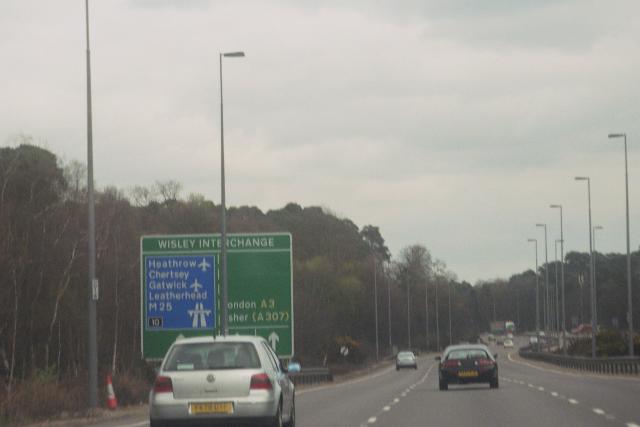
613 398
529 394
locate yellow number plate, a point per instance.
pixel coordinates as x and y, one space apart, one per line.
211 408
468 374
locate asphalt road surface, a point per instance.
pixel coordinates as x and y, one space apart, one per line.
529 395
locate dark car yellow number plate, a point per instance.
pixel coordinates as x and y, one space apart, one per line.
211 408
467 374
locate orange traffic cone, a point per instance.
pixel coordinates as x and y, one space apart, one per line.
112 402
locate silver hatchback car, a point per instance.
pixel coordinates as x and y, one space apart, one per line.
222 380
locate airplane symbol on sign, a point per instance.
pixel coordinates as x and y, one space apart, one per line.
196 286
204 265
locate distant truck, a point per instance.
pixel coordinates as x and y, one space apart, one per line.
502 327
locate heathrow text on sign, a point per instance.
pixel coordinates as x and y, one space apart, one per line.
181 296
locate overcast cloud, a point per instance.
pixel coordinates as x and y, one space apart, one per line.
448 123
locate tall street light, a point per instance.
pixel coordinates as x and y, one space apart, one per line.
426 312
450 334
595 257
437 320
93 281
375 302
546 279
409 313
537 286
563 320
594 322
557 297
389 311
225 293
629 300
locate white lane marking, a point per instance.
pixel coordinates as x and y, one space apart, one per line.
554 394
404 394
573 401
541 388
530 385
598 411
354 381
387 408
141 423
571 374
632 425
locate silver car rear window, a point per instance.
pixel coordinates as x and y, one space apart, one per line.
215 355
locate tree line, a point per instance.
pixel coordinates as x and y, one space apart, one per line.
339 269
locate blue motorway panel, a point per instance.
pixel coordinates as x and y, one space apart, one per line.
180 292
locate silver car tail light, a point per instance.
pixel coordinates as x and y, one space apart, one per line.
261 382
163 385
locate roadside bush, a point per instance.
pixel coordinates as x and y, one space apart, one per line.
611 343
131 389
41 397
608 344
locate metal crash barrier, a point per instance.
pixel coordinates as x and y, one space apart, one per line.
311 376
600 365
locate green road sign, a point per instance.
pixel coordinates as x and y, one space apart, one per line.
180 292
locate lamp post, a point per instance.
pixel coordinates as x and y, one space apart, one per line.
594 322
450 335
595 257
547 313
629 300
409 313
537 286
92 346
223 252
557 296
437 319
375 302
426 313
389 312
563 316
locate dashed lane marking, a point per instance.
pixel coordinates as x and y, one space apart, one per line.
573 401
571 374
387 408
598 411
554 394
541 388
346 383
632 425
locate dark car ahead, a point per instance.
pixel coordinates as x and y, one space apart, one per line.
468 363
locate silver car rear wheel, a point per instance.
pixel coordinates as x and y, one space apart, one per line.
277 421
292 416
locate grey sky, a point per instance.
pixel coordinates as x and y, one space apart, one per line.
448 123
